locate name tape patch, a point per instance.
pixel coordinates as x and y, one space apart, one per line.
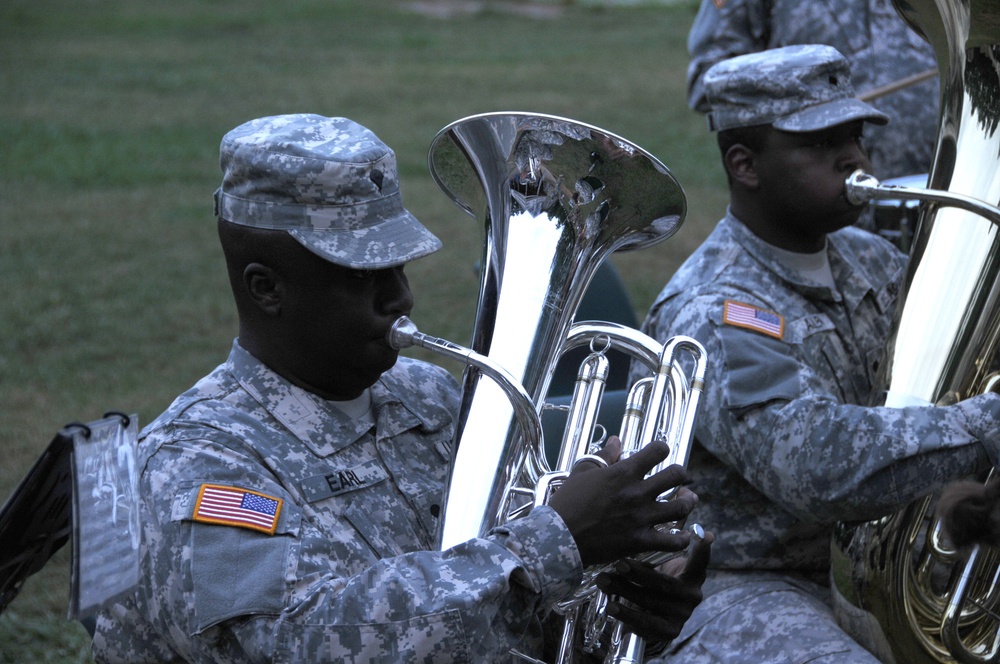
754 318
343 480
232 506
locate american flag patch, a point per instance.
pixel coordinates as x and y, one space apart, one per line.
232 506
752 318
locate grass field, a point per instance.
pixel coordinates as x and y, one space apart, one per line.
110 118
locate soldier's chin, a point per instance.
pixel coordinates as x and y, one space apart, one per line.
386 359
850 216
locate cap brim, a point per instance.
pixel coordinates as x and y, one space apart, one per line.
830 114
389 243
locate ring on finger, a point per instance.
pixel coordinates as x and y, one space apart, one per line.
593 458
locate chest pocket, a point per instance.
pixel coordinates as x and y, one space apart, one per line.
423 477
838 367
379 537
419 467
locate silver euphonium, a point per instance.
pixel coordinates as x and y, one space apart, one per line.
902 590
557 197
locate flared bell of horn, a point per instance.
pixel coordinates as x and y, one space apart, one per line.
556 197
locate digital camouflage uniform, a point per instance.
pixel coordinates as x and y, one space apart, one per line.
785 443
276 528
784 449
880 46
347 574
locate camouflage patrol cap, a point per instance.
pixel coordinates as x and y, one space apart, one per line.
330 182
795 88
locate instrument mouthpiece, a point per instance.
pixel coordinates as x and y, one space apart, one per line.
860 187
401 333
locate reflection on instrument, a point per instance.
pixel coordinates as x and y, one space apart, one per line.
556 197
898 581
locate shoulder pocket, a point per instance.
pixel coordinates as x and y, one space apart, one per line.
236 571
755 369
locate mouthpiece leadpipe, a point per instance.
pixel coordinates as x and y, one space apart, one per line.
404 334
863 187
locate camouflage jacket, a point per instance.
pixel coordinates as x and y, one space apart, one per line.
880 46
785 448
276 528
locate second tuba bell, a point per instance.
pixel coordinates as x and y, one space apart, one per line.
902 590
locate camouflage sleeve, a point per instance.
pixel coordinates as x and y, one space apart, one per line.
233 594
736 28
471 603
766 413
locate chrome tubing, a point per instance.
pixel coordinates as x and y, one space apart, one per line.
660 408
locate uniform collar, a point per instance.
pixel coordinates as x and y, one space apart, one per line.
320 425
852 283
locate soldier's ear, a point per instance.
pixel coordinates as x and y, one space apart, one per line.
265 287
740 162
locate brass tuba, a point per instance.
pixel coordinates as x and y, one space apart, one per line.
557 197
900 589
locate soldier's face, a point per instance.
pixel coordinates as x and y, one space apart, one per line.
802 175
337 319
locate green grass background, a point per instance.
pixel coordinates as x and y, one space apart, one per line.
111 111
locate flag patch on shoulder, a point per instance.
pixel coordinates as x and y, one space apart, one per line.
232 506
753 318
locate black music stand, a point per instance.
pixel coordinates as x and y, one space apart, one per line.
81 489
35 522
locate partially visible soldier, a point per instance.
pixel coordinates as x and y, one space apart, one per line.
880 46
289 500
793 305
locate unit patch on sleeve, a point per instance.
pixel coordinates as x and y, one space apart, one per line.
753 318
232 506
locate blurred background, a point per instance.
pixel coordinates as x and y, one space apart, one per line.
111 113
